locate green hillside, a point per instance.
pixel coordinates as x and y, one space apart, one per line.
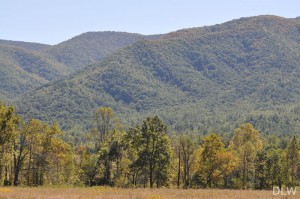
205 79
91 47
23 70
26 66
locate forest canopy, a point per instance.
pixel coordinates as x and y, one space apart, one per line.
34 153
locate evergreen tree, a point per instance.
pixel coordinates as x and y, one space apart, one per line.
293 159
154 153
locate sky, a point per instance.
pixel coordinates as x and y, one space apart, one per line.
54 21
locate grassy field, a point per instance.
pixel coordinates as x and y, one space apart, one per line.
115 193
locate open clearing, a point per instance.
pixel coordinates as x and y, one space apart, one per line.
116 193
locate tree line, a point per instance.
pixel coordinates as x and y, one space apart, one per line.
33 153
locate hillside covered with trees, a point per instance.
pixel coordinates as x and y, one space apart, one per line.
26 66
210 107
208 79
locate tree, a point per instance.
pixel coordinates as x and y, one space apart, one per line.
261 170
22 146
34 130
186 149
215 161
131 143
109 145
8 132
87 168
293 159
274 167
110 155
60 161
105 120
50 158
246 143
154 151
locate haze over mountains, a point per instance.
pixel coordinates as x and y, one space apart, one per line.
205 79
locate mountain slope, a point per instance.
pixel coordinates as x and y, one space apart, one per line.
26 66
25 45
91 47
24 70
198 78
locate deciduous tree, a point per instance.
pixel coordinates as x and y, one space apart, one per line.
246 143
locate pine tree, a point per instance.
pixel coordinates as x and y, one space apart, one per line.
293 159
154 153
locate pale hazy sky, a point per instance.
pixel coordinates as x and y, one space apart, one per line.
53 21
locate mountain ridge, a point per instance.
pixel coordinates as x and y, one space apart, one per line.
27 45
27 66
233 69
90 47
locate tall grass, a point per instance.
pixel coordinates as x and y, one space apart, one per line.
115 193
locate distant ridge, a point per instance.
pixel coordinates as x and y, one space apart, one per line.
91 47
25 45
26 66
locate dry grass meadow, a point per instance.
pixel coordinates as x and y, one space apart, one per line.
115 193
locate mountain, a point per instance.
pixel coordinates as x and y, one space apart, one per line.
91 47
26 66
23 70
26 45
204 79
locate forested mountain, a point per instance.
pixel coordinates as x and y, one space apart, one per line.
205 79
26 45
25 66
91 47
23 70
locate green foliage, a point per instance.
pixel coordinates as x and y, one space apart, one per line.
246 143
200 80
34 154
208 79
8 132
26 66
293 159
91 47
185 147
153 152
32 147
35 47
215 163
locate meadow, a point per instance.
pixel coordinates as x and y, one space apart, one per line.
117 193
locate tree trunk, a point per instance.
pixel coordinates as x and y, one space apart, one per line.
244 173
151 175
178 175
29 166
145 177
17 169
1 168
16 177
